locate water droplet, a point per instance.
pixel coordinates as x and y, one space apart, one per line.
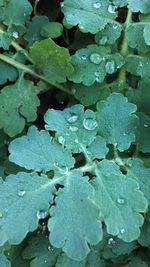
81 27
24 14
111 9
61 140
140 64
115 26
124 134
90 124
73 128
83 57
120 200
97 5
111 241
76 141
49 248
103 40
122 231
74 91
63 170
110 67
15 35
21 193
41 214
145 125
45 261
62 4
73 118
1 215
95 58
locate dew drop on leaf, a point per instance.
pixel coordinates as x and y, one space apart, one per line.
61 140
62 4
111 9
21 193
49 248
97 5
1 215
122 231
73 118
73 91
110 67
145 125
81 27
95 58
63 170
90 124
41 214
83 57
103 40
111 241
15 35
140 64
121 200
73 128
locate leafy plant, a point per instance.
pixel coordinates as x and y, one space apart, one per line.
75 133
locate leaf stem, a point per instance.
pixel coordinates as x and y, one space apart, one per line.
124 52
28 70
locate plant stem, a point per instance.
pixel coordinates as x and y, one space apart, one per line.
124 53
26 69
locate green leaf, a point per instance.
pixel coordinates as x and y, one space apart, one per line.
144 238
98 148
117 121
97 61
75 128
138 172
137 262
17 191
3 260
138 65
109 34
64 261
16 258
52 60
52 30
89 95
140 6
4 40
14 114
7 73
143 134
90 16
38 151
34 27
41 253
74 220
120 201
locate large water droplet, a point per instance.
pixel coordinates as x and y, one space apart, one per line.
103 40
97 76
21 193
95 58
41 214
90 124
73 118
121 200
1 215
122 231
83 57
110 67
61 140
111 241
111 9
73 128
97 5
15 35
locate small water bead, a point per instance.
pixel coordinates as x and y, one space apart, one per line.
15 35
74 91
121 200
111 9
115 26
63 170
49 248
41 214
73 128
140 64
145 125
62 4
1 215
97 5
81 27
73 118
95 58
21 193
103 40
61 140
110 67
90 124
111 241
122 231
83 57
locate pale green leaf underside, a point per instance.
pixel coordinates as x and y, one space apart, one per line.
117 121
120 201
38 151
74 220
22 196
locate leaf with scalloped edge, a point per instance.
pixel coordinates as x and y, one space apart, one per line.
14 114
143 133
38 151
139 6
4 262
91 16
120 201
74 221
109 35
52 60
117 121
22 196
8 73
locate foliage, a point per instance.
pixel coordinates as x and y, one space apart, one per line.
74 133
